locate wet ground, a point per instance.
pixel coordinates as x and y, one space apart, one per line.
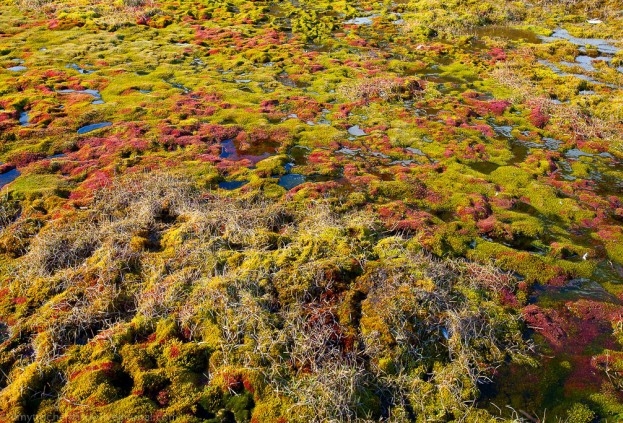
511 135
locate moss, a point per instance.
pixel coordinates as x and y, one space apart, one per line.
16 397
136 360
95 383
30 187
272 408
389 248
614 250
532 267
190 356
580 413
150 381
174 299
607 404
129 407
273 165
166 329
511 178
451 239
241 406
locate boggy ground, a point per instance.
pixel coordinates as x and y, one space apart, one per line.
284 211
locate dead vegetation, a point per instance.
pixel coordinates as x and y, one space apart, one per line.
266 286
381 88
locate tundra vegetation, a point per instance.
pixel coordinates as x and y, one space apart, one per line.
284 211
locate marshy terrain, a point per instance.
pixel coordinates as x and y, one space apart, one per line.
311 211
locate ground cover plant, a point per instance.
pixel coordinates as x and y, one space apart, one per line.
282 211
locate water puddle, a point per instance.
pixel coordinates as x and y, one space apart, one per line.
232 185
551 143
97 97
405 163
356 131
79 69
229 151
508 33
291 180
560 72
503 130
360 153
179 86
520 152
586 62
576 153
566 170
8 177
416 151
608 272
378 155
18 68
24 119
284 78
93 127
299 154
576 289
483 167
603 46
349 151
363 20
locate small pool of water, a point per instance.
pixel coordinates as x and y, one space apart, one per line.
232 185
586 62
179 86
551 143
284 78
97 97
349 151
415 151
229 151
93 127
363 20
560 72
576 153
299 154
18 68
603 46
24 119
484 167
356 131
503 130
8 177
576 289
291 180
508 33
520 152
79 69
